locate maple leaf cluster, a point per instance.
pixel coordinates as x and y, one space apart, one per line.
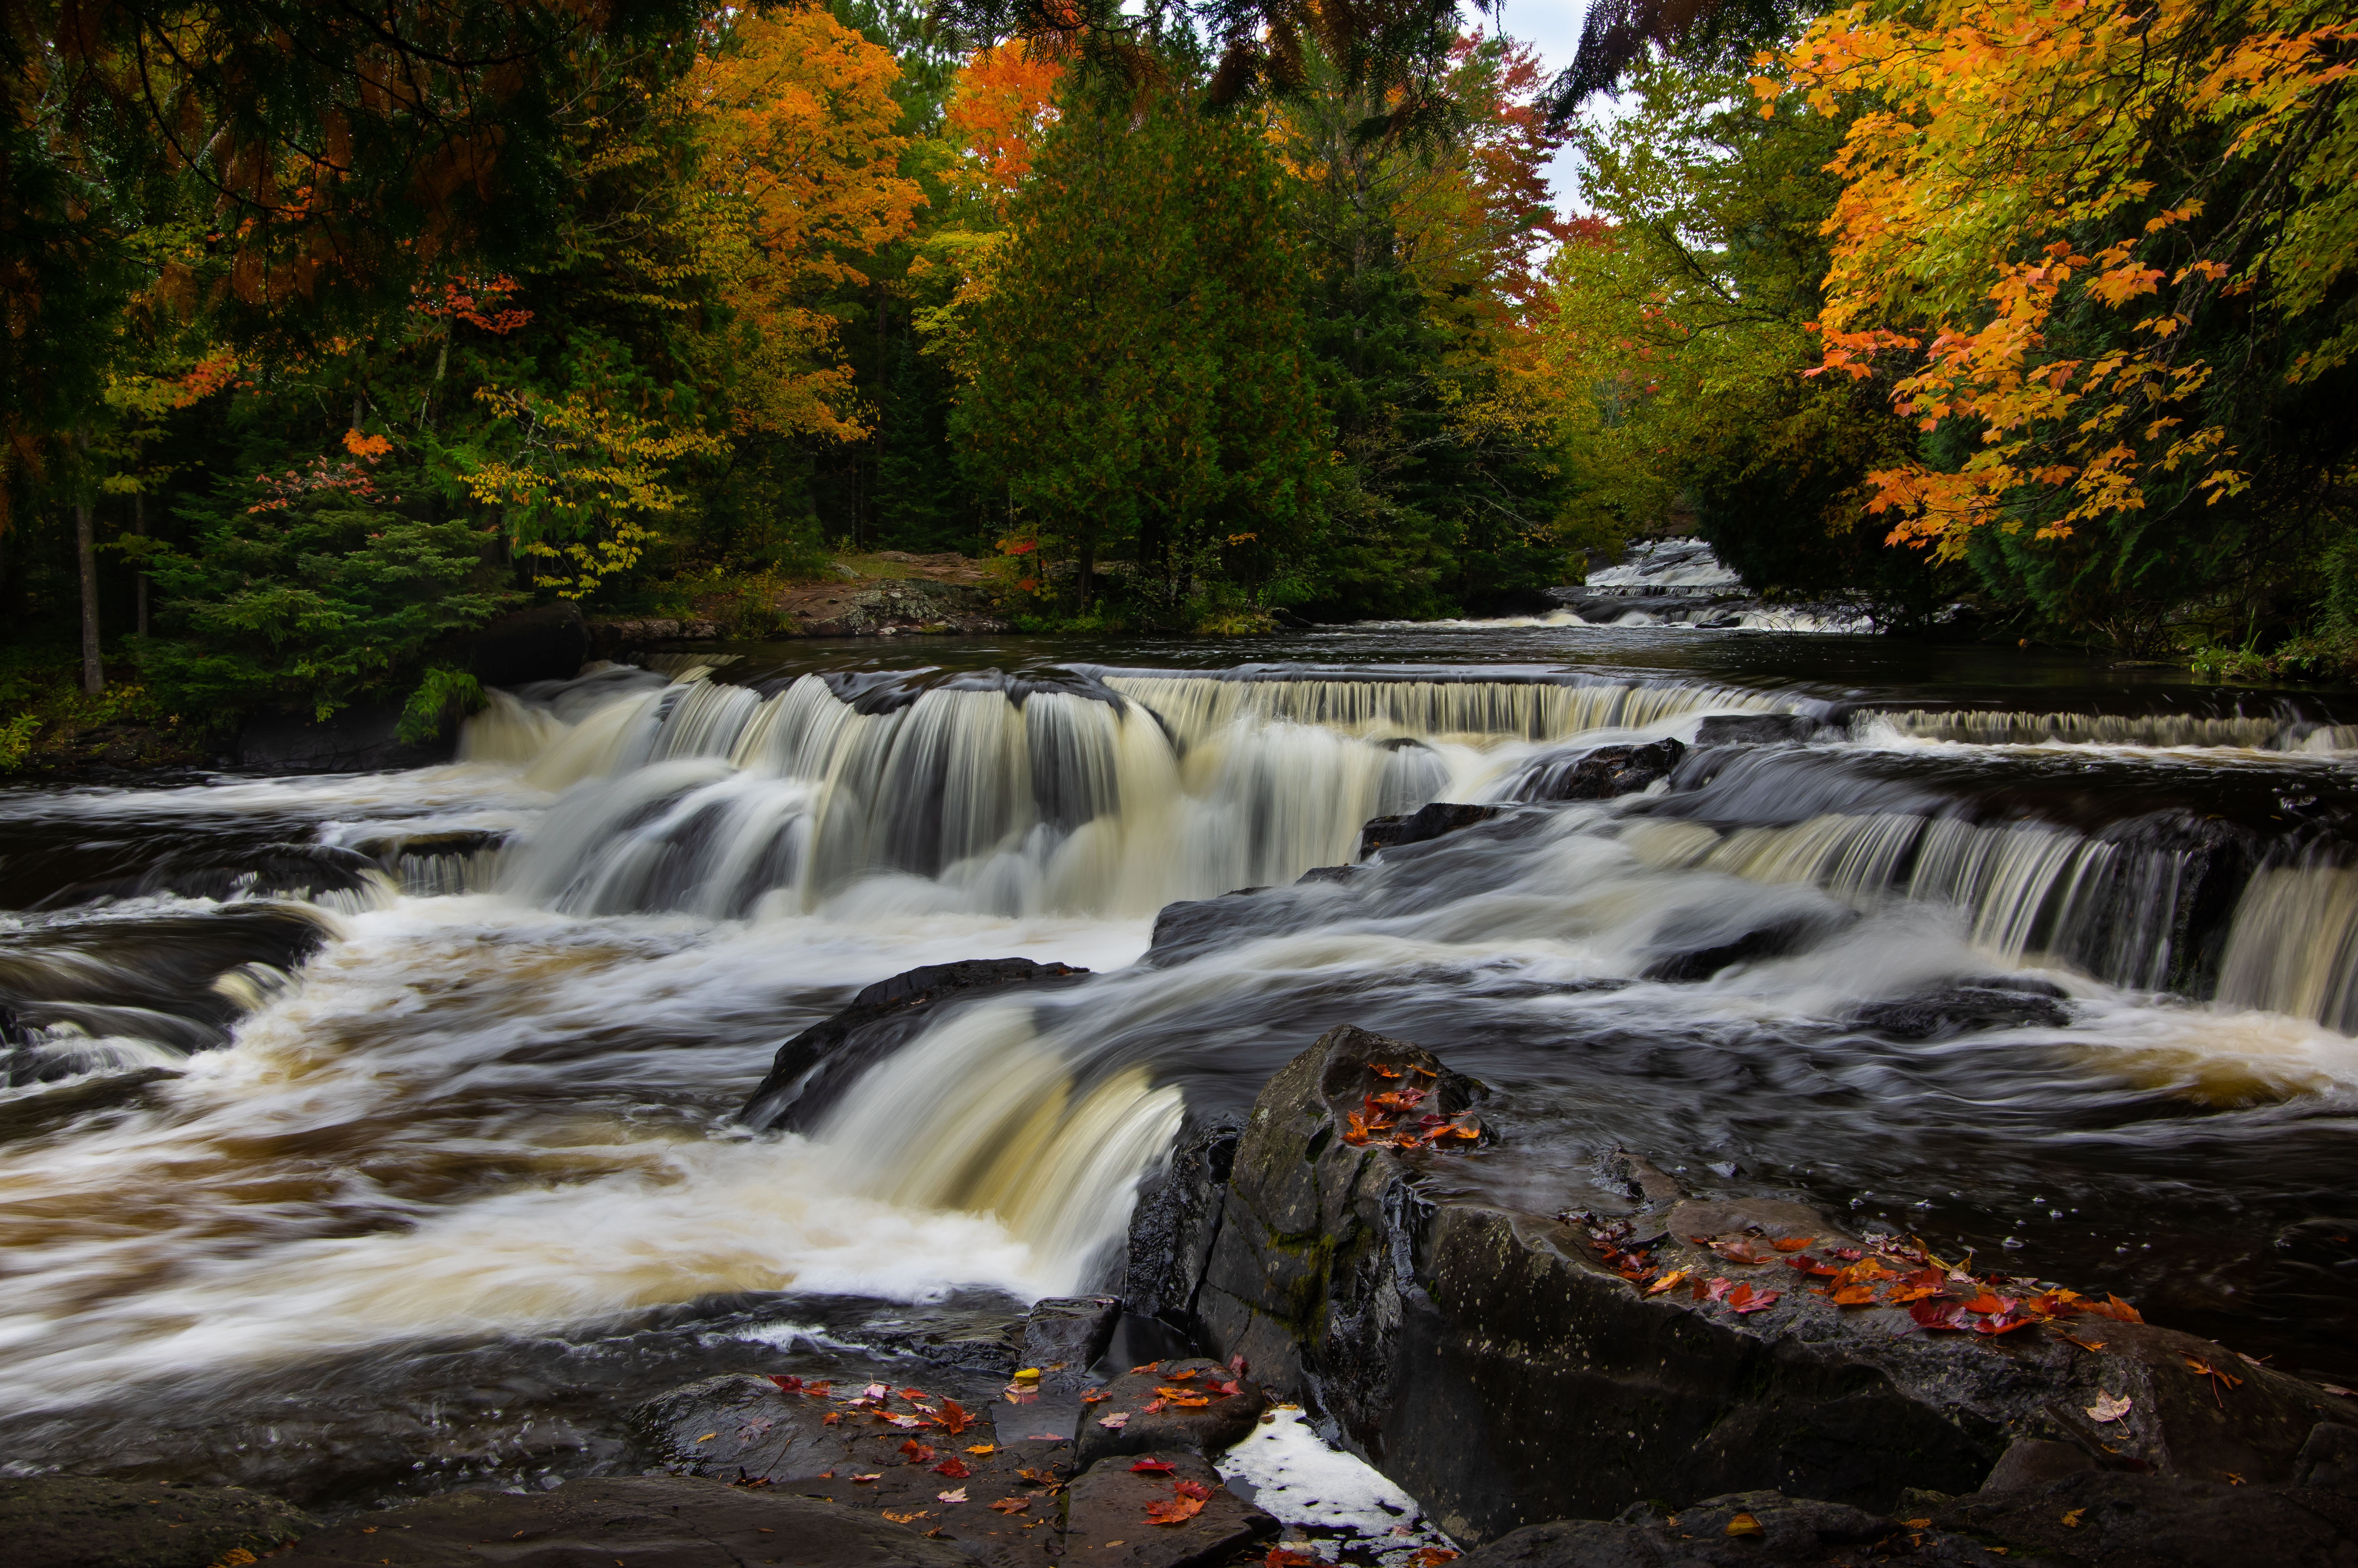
1385 1117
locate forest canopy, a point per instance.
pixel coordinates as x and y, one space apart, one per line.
334 334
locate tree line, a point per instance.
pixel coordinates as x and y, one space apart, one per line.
332 332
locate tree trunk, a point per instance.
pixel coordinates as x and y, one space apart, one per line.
139 530
93 674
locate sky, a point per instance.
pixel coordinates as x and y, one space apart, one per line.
1553 27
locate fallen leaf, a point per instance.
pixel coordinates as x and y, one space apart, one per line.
2004 1325
1916 1523
786 1384
2071 1520
917 1452
2233 1479
1151 1407
1761 1302
1741 1249
832 1418
2091 1345
707 1437
1289 1557
1196 1489
1666 1281
874 1391
1854 1295
1990 1305
956 1497
904 1518
1174 1510
2108 1407
2114 1308
982 1448
954 1467
1792 1243
1938 1314
1011 1505
1150 1367
1744 1524
1114 1421
1434 1556
2338 1388
874 1476
953 1419
914 1395
1039 1479
1150 1465
1182 1377
1095 1396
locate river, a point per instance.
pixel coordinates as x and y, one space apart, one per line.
368 1133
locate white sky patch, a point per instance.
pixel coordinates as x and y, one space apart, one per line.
1332 1497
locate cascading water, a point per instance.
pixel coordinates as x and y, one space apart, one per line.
487 1098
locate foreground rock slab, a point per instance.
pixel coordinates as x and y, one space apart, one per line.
64 1521
639 1521
1509 1368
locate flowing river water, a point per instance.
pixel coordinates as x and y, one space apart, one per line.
364 1133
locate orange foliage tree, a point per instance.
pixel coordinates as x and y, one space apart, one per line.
2064 224
799 126
1001 104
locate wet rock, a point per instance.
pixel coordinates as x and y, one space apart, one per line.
1064 1337
2112 1519
738 1426
1963 1009
1174 1428
814 1067
1172 1225
609 638
1421 826
1604 773
547 642
2036 1462
2328 1459
1770 1529
1701 944
995 1353
1501 1368
645 1521
1106 1520
66 1522
1188 929
1754 728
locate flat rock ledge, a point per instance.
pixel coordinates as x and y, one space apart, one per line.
1514 1370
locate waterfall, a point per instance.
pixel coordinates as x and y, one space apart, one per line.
2293 945
1990 727
980 796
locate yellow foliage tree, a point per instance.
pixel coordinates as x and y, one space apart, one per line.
2044 204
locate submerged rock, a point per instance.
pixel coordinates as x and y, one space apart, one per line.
1754 728
70 1521
1507 1368
816 1066
1965 1007
1421 826
1604 773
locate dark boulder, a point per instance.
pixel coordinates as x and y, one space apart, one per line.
1964 1007
1754 728
815 1067
361 738
646 1522
1064 1337
1602 774
1174 1222
1508 1370
740 1425
1421 826
69 1521
547 642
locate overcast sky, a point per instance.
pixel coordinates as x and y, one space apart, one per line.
1553 26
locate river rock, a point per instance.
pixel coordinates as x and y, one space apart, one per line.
1972 1005
643 1521
1064 1337
1421 826
816 1066
1106 1520
547 642
1754 728
1603 772
1500 1367
1770 1529
2113 1519
69 1521
1173 1223
738 1426
1173 1428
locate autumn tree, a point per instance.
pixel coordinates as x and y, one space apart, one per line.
2104 253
